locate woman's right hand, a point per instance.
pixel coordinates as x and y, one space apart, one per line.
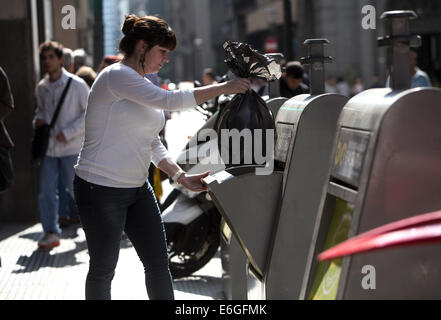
238 85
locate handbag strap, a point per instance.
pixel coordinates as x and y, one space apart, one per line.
60 103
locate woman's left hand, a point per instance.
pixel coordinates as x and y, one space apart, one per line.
193 182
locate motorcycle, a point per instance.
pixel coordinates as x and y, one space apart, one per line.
191 220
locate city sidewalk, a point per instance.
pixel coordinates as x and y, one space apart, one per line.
29 273
59 274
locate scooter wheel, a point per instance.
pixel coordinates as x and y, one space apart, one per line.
184 265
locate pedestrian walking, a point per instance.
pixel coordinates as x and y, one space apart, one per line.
68 60
331 85
65 139
80 59
343 87
123 119
291 83
107 61
87 74
357 87
418 78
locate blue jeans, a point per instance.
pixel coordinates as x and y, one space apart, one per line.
105 213
51 170
67 206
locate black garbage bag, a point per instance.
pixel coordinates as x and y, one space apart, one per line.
246 122
246 62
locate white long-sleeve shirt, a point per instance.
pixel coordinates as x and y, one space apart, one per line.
70 120
123 120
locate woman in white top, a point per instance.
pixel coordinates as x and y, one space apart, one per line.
123 119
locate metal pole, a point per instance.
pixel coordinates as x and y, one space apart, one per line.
399 40
35 40
287 29
48 20
316 59
98 33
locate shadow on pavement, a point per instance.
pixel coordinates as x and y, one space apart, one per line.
70 232
201 285
42 258
8 230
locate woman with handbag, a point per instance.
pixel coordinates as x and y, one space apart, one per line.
123 119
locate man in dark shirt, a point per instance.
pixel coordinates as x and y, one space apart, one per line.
292 82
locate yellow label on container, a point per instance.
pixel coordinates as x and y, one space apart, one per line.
327 278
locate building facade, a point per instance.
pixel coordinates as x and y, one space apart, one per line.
24 25
191 21
203 26
353 47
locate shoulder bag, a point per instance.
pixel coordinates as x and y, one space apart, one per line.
40 140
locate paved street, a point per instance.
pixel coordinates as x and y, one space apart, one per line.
59 274
29 273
